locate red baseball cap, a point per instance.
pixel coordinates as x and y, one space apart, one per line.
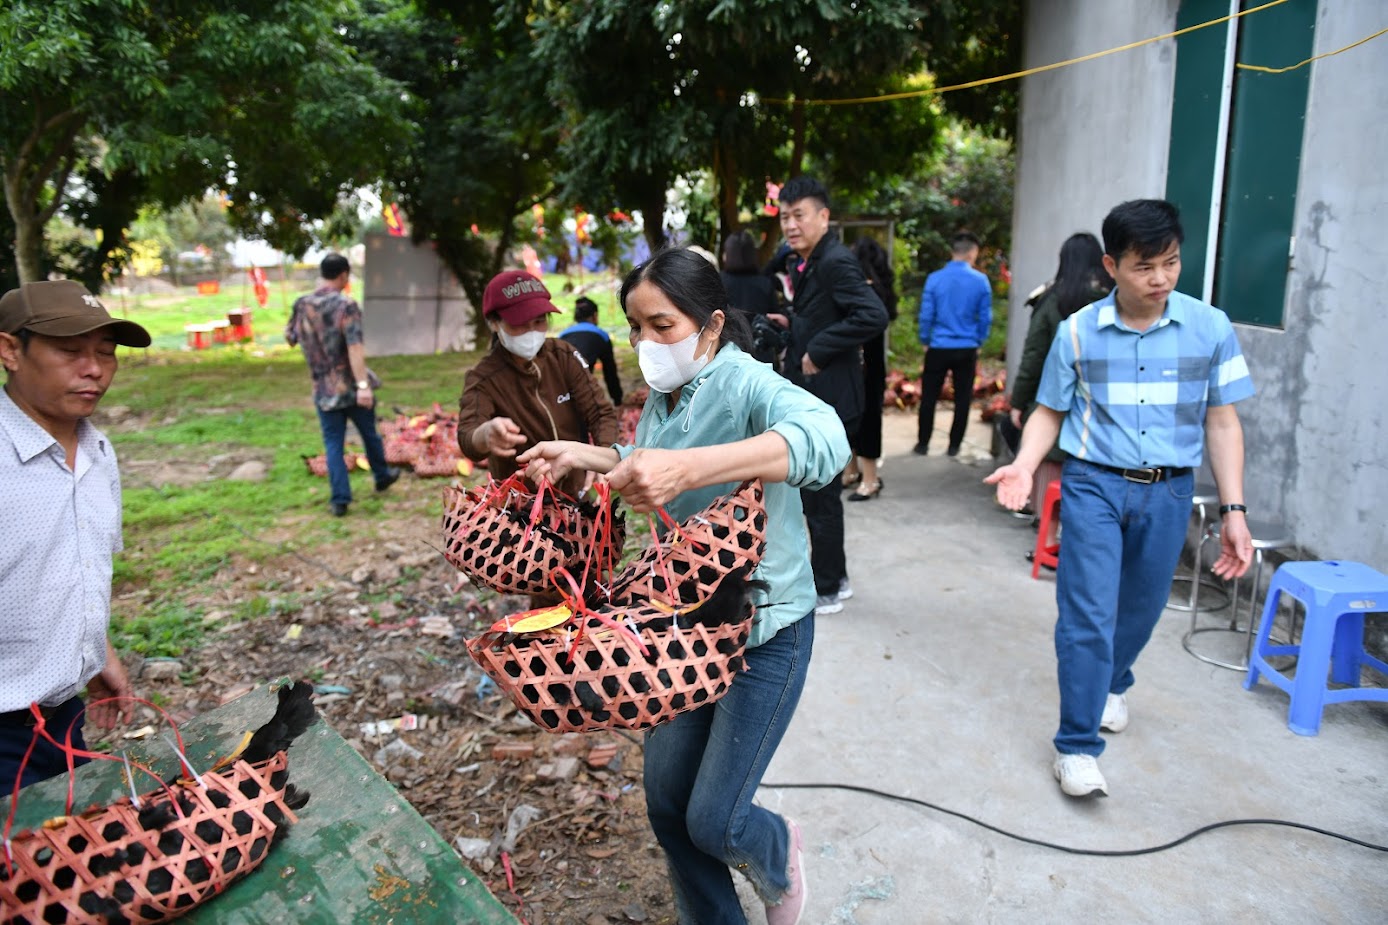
516 298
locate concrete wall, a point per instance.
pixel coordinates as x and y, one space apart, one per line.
1095 134
1090 135
1317 431
413 304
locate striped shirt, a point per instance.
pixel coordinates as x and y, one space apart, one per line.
61 529
1138 398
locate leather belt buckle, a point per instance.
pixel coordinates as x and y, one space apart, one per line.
1143 476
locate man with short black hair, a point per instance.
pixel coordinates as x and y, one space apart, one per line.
1135 385
835 312
593 344
956 312
61 497
327 325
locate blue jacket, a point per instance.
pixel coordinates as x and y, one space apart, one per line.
735 397
956 307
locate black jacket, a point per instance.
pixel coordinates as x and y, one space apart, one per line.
836 312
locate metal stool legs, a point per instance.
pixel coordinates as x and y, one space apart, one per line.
1205 496
1265 537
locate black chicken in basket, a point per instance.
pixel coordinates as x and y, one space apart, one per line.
153 860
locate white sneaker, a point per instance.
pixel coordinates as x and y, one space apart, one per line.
1079 775
1115 714
845 590
827 604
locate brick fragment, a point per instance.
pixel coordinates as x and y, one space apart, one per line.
512 751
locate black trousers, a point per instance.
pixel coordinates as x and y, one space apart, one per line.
961 364
867 442
46 761
824 517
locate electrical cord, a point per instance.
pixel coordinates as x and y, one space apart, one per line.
1093 852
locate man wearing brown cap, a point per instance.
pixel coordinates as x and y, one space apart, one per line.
530 387
61 498
327 325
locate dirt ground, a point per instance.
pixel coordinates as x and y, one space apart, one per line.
568 811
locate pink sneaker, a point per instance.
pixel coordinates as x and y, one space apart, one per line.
792 905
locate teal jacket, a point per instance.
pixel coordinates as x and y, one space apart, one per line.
732 399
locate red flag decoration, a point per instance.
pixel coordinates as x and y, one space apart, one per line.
394 224
262 291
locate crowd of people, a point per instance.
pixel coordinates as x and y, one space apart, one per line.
768 370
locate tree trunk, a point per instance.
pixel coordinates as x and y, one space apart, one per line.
725 181
797 139
28 231
653 215
28 248
24 179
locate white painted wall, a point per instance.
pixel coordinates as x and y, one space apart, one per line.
1093 135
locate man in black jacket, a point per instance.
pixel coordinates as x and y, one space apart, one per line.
835 313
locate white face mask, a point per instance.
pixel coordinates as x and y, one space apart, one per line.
524 345
666 367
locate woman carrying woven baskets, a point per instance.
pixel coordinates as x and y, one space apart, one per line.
715 417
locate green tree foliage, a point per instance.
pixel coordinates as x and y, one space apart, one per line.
486 127
107 106
659 91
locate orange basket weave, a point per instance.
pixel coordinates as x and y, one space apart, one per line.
728 533
611 683
101 865
318 465
605 680
489 535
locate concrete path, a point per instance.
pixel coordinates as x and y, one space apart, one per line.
938 682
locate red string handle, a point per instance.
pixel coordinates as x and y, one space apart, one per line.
71 754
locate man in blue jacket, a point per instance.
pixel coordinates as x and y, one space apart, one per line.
956 312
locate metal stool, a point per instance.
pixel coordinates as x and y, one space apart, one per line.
1205 500
1266 536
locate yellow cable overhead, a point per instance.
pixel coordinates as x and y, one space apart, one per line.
907 94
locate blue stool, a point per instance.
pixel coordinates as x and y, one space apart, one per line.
1336 596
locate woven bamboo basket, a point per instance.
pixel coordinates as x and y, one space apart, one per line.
729 532
489 535
318 465
101 865
608 681
611 683
427 465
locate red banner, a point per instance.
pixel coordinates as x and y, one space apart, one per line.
262 291
394 224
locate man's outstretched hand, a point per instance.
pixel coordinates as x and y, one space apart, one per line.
1014 486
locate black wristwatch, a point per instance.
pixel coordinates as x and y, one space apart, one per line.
1226 508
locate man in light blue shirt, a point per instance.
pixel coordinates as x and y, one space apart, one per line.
956 312
1135 386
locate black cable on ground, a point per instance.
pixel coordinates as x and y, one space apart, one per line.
1094 852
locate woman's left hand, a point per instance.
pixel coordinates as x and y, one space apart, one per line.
648 479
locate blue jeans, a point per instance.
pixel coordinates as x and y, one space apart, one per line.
1119 545
334 426
702 771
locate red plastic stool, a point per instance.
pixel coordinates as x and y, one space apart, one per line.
1047 553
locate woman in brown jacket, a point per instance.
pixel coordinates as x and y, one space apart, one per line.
530 387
